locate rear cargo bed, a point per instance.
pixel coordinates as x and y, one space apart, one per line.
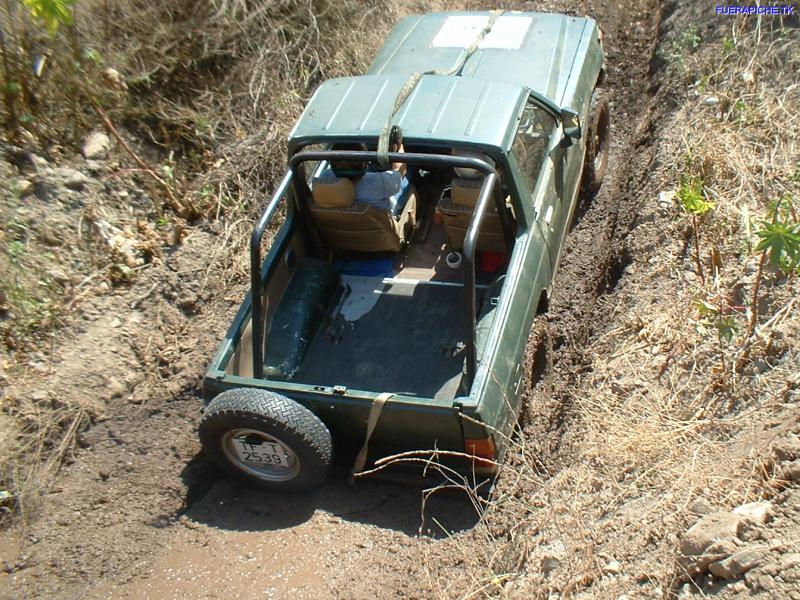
390 335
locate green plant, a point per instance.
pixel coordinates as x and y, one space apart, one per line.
51 13
728 45
779 245
690 38
692 198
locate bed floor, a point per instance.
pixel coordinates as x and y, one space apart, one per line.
391 335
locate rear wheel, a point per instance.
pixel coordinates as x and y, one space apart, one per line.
267 440
597 144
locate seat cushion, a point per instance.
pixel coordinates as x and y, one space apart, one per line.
465 192
456 220
365 228
333 193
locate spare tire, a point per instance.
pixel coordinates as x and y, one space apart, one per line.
266 440
597 144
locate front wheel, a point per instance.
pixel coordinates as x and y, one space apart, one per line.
267 440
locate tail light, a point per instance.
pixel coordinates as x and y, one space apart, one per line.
484 453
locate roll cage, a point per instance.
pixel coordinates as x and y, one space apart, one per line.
293 180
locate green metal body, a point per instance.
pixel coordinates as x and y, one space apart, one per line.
556 63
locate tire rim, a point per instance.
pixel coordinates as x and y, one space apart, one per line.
231 444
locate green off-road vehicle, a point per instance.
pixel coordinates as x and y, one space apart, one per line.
391 314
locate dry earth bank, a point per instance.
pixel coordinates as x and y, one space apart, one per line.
630 433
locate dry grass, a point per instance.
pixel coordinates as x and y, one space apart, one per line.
205 97
671 412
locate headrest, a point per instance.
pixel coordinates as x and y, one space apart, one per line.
465 191
471 173
333 193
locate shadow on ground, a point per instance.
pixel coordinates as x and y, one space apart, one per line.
222 502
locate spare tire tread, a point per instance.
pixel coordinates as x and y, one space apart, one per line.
274 414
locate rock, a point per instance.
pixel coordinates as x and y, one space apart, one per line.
612 567
71 178
791 472
739 563
710 100
701 507
49 236
757 512
114 80
39 163
39 395
695 565
96 167
709 530
116 388
759 582
789 561
748 77
739 587
787 449
666 200
96 145
24 187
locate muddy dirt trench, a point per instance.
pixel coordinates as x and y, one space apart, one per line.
138 513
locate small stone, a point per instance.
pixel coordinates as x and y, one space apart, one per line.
39 395
710 529
739 587
24 187
612 567
49 236
116 388
701 507
748 77
789 561
710 100
690 276
95 167
757 512
39 163
787 449
114 80
58 276
696 565
792 471
104 475
666 199
738 564
96 145
39 367
71 178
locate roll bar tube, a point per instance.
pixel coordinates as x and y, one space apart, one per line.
409 158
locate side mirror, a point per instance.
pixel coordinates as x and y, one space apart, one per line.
570 125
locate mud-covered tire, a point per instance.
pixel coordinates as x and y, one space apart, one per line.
238 418
597 143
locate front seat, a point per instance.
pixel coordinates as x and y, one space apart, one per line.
456 210
349 225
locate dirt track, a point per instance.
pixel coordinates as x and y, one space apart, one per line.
139 513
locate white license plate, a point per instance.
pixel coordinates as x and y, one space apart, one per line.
262 453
